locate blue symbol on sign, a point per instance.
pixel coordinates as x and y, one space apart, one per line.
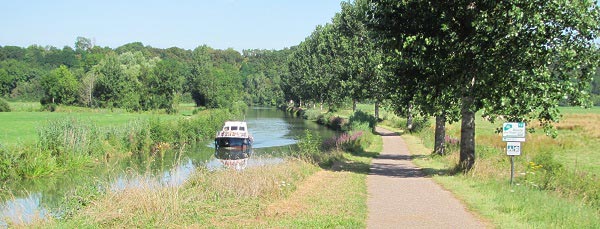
521 124
507 127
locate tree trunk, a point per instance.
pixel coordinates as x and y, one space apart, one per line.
377 110
440 134
354 105
467 135
409 117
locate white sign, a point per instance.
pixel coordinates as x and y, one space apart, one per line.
513 132
513 148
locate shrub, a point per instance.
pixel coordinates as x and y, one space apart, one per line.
309 149
312 114
543 171
344 141
308 145
49 107
596 100
360 120
4 107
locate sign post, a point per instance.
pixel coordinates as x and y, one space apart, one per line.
513 133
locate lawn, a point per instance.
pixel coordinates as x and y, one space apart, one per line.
20 126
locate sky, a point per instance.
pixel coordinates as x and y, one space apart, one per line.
220 24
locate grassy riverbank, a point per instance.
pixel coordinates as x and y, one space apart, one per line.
40 144
290 195
322 185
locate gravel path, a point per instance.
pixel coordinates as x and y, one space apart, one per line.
401 197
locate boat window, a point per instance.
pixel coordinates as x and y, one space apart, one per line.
242 128
234 128
226 128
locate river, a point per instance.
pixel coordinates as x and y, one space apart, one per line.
275 133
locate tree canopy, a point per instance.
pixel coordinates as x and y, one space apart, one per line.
137 77
517 59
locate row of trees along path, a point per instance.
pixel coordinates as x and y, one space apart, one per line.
400 196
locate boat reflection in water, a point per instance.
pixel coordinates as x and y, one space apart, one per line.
234 158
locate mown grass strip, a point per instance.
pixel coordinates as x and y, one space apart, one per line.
506 206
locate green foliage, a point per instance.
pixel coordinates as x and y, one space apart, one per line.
263 72
309 147
332 121
164 83
70 143
312 114
542 171
60 87
4 106
139 78
8 163
363 121
77 199
448 59
313 67
595 100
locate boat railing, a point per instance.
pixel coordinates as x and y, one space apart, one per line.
237 134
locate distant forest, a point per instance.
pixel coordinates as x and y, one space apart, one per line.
137 77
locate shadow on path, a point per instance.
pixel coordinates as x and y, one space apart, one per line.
383 134
392 170
401 195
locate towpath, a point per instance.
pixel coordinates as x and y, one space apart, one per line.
400 196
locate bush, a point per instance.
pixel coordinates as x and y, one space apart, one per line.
309 149
4 107
309 145
312 114
543 171
49 107
362 121
596 100
332 121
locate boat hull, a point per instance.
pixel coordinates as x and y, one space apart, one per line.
223 142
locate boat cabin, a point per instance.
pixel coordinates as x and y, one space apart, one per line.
233 134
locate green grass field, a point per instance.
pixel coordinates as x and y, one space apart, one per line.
20 126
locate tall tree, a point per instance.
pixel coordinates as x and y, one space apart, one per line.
60 86
86 88
514 58
359 55
166 83
83 44
314 66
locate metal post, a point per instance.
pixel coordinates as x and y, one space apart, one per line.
512 169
